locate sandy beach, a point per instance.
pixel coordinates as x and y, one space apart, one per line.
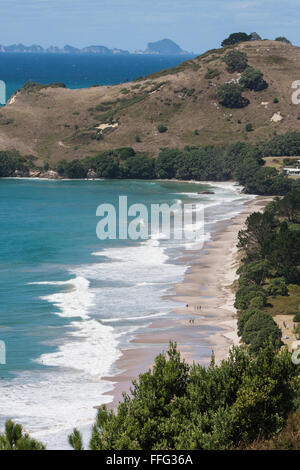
209 322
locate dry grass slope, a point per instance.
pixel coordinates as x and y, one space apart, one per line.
55 123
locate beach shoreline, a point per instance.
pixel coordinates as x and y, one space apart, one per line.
209 323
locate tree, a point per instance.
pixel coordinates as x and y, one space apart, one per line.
277 286
230 96
256 323
165 164
75 170
253 79
245 294
282 250
236 61
14 438
176 406
236 38
75 440
139 166
106 165
258 228
290 205
283 39
254 272
161 128
255 37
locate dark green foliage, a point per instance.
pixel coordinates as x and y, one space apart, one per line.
106 165
289 205
296 318
277 286
230 96
254 272
61 167
75 170
275 100
282 145
253 79
258 228
236 38
161 129
176 406
14 438
125 152
255 37
256 323
245 294
283 39
236 61
249 127
75 440
282 250
139 166
244 317
11 161
269 333
165 164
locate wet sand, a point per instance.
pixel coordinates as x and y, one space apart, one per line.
209 283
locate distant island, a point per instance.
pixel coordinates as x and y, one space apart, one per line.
164 47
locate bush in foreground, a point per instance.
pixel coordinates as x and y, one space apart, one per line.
253 79
236 61
230 96
177 406
14 438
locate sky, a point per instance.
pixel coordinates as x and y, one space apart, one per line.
196 25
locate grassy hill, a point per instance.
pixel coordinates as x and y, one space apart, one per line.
54 122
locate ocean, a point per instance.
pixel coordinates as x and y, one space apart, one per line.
79 71
71 302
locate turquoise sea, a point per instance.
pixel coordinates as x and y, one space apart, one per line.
71 302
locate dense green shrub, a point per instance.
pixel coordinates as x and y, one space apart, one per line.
296 318
257 322
161 128
75 170
253 79
139 166
277 286
14 438
283 39
165 164
270 333
236 61
11 161
176 406
282 145
244 296
254 272
257 302
230 96
236 38
249 127
244 317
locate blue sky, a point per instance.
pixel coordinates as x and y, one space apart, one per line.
197 25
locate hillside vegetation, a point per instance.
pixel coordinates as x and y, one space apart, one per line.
54 123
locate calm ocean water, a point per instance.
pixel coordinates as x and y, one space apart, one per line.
70 302
79 71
